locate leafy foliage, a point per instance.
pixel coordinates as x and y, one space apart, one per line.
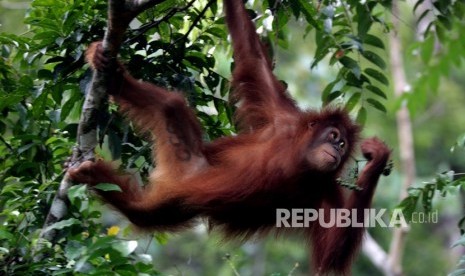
445 184
443 47
345 37
43 82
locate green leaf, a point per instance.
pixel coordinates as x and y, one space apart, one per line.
332 96
353 101
281 19
164 29
5 235
295 7
442 6
362 116
322 50
408 206
461 222
427 30
417 4
218 32
353 80
352 65
63 224
427 49
162 238
76 192
47 3
425 13
328 89
108 187
45 74
441 33
445 21
364 21
40 104
198 60
47 23
70 104
376 104
434 79
375 59
353 43
373 41
377 76
309 12
376 91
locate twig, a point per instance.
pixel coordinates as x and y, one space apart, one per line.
12 150
196 21
140 31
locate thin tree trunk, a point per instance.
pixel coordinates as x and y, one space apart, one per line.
405 136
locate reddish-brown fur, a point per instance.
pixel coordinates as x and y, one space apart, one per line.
238 182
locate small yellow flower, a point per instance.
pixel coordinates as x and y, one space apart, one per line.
113 231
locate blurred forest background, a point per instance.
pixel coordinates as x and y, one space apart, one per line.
398 66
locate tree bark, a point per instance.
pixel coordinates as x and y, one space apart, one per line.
405 136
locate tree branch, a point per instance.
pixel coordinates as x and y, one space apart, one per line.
375 253
120 14
196 21
140 31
